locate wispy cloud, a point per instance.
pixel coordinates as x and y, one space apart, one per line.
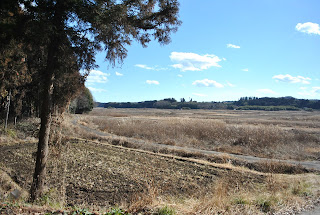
291 79
199 94
194 62
266 91
96 90
316 90
97 76
207 83
144 66
308 27
245 70
180 76
230 85
152 82
233 46
119 74
156 68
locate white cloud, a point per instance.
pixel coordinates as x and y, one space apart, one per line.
266 91
290 79
207 83
180 76
230 85
152 82
96 76
308 27
233 46
316 90
119 74
224 59
156 68
245 70
92 89
143 66
310 93
199 94
194 62
305 93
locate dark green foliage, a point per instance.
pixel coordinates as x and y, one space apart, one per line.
58 39
82 103
245 103
284 102
267 108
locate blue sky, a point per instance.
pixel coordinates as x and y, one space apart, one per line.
224 50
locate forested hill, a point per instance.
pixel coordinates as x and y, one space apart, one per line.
244 103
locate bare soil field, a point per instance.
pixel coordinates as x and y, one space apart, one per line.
98 175
279 134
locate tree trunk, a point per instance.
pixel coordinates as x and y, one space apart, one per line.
43 149
39 175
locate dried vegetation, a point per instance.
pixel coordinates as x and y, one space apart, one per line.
94 173
292 135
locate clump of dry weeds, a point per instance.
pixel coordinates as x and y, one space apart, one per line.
232 194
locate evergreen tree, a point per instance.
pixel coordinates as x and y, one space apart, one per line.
63 37
83 102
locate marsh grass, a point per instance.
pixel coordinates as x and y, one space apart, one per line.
212 134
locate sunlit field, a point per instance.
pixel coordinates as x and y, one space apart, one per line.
281 135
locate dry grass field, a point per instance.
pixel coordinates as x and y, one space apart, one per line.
281 135
88 171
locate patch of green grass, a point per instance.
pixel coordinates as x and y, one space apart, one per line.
11 133
301 188
117 211
240 201
264 205
165 211
50 198
81 212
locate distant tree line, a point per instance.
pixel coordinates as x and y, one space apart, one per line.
289 102
244 103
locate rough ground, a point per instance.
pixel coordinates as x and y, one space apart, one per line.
103 175
106 176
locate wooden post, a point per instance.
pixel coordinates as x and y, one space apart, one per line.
8 109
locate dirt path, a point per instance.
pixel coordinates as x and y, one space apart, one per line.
315 165
314 211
